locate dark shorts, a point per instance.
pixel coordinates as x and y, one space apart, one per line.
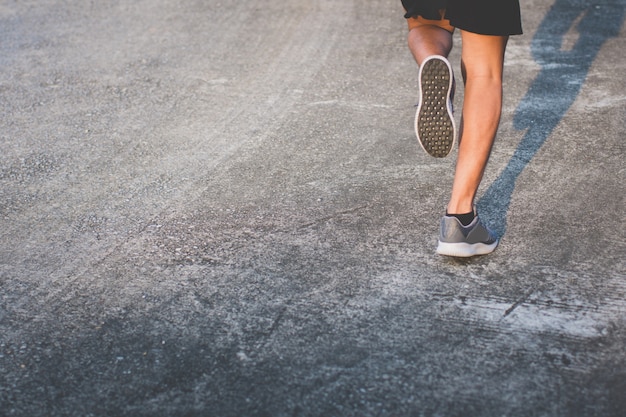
485 17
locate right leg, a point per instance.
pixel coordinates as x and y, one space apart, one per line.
482 65
482 62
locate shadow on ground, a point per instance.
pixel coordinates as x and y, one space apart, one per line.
563 73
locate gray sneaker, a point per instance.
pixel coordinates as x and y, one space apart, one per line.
434 121
464 241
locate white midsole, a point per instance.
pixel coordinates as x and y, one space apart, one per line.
464 250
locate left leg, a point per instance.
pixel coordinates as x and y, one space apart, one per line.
429 37
430 42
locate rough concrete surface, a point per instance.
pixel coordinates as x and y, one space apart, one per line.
219 209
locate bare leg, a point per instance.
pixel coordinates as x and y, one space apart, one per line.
482 60
429 37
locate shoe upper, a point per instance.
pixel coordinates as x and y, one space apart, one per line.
452 231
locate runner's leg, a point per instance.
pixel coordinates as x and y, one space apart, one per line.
429 37
482 60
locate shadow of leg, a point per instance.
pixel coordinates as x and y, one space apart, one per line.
553 91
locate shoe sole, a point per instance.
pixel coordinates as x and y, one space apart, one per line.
434 122
465 250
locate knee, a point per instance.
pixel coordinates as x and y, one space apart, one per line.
419 21
483 56
486 73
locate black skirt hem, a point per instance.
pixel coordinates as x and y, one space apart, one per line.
484 17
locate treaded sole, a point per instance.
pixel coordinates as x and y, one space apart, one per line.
434 122
465 250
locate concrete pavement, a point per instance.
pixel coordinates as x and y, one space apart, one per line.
215 209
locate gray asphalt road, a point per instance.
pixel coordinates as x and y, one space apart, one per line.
215 209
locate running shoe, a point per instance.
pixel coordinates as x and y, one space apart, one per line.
464 241
434 120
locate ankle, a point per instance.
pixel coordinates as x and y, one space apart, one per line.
465 218
460 208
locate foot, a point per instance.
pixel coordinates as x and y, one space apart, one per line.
434 121
465 241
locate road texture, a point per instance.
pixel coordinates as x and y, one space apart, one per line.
219 209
